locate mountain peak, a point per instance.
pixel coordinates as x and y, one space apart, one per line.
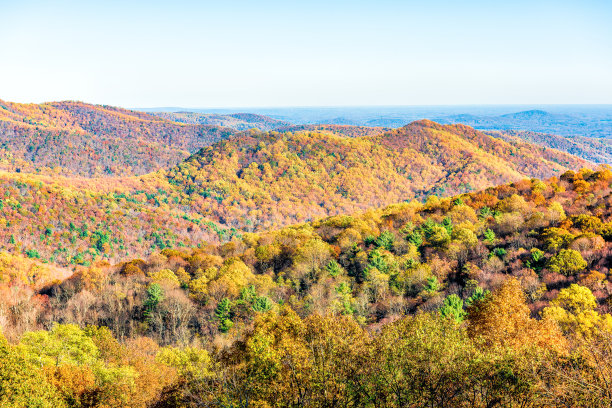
424 123
529 114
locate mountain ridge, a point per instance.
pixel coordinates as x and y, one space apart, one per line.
94 140
253 171
243 181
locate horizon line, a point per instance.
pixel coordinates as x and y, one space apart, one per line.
359 106
234 107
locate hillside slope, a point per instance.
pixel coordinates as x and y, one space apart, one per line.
250 181
505 291
387 255
262 180
70 221
597 150
237 121
75 138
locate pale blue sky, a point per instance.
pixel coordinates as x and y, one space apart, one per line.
306 53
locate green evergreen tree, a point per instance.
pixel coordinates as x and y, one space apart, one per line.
223 313
452 308
155 294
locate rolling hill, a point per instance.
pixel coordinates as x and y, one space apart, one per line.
237 121
259 180
537 120
74 138
69 194
493 291
597 150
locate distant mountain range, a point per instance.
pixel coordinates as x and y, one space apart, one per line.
536 121
564 120
245 121
237 121
585 131
597 150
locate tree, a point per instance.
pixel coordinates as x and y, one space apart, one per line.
567 262
438 236
575 299
189 361
22 383
537 261
489 236
155 294
333 268
556 238
433 352
478 295
232 277
64 344
311 256
315 362
75 365
452 308
385 240
503 319
223 313
432 286
574 310
165 277
582 380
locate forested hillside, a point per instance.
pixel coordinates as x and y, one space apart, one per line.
237 121
343 130
588 148
222 281
74 138
262 180
69 222
249 181
497 298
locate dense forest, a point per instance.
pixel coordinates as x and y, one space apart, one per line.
70 222
237 121
264 180
250 181
78 139
151 261
597 150
495 298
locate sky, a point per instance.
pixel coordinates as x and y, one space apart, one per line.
228 53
